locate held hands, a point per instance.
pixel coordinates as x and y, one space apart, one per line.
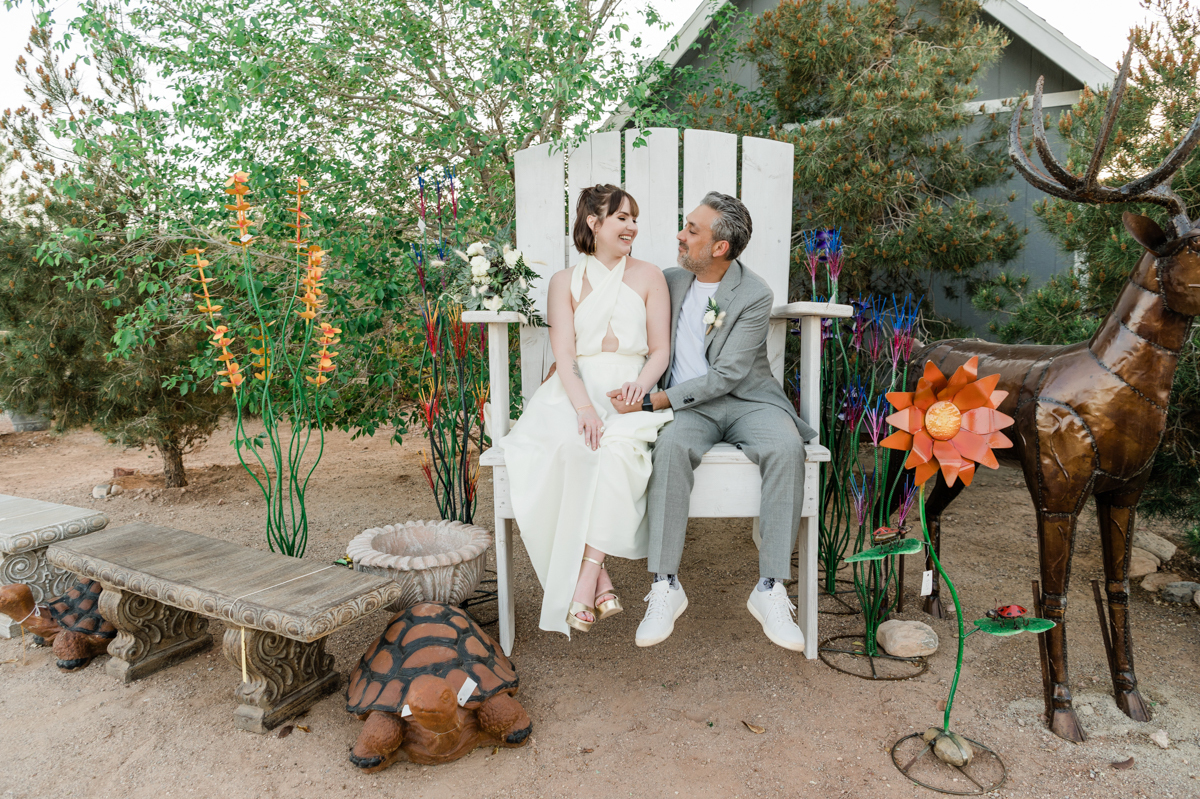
590 426
621 401
631 394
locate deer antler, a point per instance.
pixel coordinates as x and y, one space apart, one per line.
1153 187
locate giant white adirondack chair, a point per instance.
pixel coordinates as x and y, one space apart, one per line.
548 182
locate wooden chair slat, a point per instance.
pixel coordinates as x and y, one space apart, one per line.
767 193
652 177
541 227
709 164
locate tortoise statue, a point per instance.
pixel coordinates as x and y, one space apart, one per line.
71 624
407 684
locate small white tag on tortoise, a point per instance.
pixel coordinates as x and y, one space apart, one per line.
465 692
405 711
927 582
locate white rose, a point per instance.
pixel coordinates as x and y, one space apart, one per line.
479 261
494 303
479 270
511 257
475 249
710 317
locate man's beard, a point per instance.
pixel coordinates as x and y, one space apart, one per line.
696 265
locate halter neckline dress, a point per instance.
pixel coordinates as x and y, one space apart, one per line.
564 494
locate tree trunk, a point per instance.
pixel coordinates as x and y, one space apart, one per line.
172 455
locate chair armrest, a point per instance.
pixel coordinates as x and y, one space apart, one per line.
796 310
491 317
497 322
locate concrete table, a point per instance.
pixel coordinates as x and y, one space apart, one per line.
27 527
162 585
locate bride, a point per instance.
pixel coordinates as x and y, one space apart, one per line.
578 470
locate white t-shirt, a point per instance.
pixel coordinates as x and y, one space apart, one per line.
689 360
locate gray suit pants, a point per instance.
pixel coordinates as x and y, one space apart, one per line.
768 436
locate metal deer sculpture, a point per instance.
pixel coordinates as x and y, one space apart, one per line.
1090 416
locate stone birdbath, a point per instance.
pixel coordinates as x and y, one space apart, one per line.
432 561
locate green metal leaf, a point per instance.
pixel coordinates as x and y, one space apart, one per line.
1023 624
905 546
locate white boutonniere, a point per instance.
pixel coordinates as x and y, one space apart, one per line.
714 317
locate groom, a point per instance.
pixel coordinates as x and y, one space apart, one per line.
720 387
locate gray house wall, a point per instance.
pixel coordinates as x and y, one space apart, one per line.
1016 72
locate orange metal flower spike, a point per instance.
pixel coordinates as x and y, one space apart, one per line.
951 425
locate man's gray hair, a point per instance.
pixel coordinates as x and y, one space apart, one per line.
732 224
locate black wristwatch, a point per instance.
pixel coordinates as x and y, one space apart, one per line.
647 405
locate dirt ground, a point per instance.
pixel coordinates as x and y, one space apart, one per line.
610 719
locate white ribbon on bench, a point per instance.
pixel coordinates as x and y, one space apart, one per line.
245 676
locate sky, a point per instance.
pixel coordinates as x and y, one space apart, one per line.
1100 27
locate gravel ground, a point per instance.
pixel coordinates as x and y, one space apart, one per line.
609 719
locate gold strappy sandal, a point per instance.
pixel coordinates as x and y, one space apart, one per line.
610 607
577 623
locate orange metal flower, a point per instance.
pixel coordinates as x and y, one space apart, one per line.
236 185
219 340
950 425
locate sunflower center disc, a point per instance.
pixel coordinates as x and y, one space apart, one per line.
943 420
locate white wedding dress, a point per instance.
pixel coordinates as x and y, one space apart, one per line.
564 494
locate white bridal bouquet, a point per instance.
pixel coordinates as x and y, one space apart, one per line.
495 280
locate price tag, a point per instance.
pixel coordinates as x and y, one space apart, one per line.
927 583
464 693
404 711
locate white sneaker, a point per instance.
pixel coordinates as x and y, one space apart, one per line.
775 612
666 605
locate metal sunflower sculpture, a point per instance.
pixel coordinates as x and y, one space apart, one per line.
952 426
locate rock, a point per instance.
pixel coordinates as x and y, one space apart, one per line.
906 639
1142 563
1161 739
952 748
1156 545
1196 599
1180 592
100 491
114 490
1156 581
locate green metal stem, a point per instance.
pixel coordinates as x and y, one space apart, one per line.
957 608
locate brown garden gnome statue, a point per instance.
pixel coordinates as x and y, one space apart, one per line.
433 687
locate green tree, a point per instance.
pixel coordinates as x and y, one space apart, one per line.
1161 101
70 276
877 101
358 99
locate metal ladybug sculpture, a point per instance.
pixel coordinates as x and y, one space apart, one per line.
1007 612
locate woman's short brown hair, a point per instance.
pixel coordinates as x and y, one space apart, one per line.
599 201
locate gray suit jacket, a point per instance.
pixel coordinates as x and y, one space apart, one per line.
736 351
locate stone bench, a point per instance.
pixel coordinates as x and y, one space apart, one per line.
162 585
27 527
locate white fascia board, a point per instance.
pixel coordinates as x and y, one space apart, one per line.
690 31
680 44
1050 41
975 107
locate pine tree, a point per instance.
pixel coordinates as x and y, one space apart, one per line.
71 271
878 103
1161 101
